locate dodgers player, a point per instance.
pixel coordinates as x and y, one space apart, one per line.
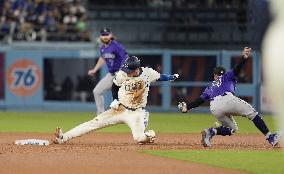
114 55
224 104
130 91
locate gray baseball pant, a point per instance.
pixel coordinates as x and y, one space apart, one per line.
104 84
224 107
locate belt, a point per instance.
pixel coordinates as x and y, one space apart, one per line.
224 94
131 109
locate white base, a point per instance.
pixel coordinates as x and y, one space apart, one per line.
32 142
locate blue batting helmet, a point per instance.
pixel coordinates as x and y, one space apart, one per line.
131 64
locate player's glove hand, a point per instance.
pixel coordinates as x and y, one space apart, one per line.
246 52
174 77
182 107
114 104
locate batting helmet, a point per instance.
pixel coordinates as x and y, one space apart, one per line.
131 64
219 71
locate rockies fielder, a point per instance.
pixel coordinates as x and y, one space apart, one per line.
114 55
130 91
224 104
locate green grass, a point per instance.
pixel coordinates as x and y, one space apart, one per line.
256 162
161 122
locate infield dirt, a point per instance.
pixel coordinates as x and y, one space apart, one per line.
113 153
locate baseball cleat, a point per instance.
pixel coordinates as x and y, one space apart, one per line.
58 136
206 138
273 139
151 136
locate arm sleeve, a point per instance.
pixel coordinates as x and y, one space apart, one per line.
238 67
165 77
197 102
114 91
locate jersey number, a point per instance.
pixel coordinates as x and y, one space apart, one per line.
134 87
217 83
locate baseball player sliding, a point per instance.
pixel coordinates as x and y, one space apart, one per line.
224 104
130 91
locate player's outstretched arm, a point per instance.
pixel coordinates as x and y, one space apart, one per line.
245 56
186 105
165 77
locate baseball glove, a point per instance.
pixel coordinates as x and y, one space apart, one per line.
182 106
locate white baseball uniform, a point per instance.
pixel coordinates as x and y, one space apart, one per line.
132 96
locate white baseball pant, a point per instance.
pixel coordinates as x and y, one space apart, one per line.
137 121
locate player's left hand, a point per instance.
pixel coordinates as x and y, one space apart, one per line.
182 107
246 52
91 72
174 77
114 104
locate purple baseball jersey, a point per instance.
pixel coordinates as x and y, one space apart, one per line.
114 55
226 83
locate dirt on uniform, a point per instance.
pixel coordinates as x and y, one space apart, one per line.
114 153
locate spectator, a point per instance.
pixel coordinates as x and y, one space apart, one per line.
26 19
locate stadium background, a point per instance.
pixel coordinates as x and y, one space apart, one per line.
47 47
188 37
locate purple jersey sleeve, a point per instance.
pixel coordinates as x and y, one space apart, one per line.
206 94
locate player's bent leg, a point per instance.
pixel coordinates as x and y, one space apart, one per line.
228 127
103 85
107 118
135 120
241 107
146 119
245 109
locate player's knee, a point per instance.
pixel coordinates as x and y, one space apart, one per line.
97 91
252 115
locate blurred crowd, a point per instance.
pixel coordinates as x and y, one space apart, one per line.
172 3
51 20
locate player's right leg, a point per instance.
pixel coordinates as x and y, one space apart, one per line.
107 118
103 85
138 121
240 107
